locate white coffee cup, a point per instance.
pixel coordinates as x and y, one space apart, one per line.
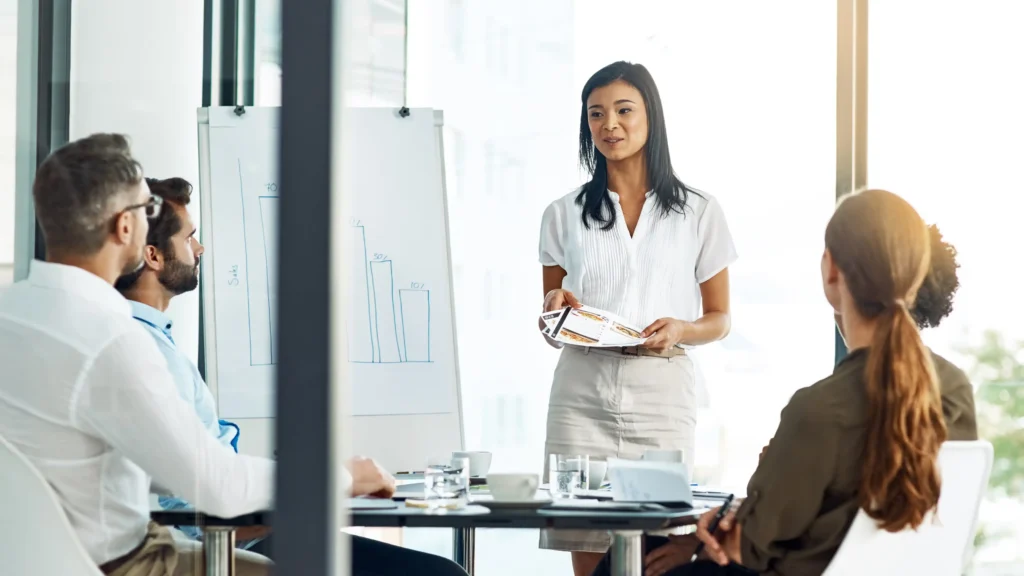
479 462
663 455
513 487
595 478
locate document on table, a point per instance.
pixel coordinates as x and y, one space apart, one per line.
577 504
646 481
588 326
360 503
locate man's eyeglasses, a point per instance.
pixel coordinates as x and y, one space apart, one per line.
152 206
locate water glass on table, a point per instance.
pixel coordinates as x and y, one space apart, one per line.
567 474
446 483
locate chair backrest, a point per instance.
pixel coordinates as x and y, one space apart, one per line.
940 546
35 536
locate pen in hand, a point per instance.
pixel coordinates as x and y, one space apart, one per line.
722 511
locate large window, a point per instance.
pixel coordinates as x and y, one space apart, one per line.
375 53
267 52
750 100
8 96
945 130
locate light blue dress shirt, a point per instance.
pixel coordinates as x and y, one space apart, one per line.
191 386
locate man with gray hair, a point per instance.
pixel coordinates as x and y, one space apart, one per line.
87 396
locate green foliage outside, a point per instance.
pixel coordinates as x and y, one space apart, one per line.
998 375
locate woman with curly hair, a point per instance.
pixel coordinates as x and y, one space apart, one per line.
935 302
868 436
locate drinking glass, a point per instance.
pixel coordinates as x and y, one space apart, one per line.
446 482
567 474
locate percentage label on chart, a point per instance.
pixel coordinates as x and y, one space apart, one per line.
272 187
417 285
379 256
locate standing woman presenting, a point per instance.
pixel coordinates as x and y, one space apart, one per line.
635 241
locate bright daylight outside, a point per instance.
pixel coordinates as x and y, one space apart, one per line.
945 132
749 95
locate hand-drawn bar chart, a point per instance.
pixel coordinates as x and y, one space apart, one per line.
259 240
268 219
389 325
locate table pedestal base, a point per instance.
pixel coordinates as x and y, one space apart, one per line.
628 553
464 548
219 551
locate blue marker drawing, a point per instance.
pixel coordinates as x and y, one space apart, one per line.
415 308
382 275
248 310
260 353
363 341
394 328
268 222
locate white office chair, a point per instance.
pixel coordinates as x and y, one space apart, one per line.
35 535
943 544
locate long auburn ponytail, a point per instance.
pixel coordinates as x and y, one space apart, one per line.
881 245
900 481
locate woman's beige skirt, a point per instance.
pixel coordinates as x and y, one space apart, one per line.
605 404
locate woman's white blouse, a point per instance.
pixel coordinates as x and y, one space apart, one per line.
655 274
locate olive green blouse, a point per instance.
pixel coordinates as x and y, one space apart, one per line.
802 498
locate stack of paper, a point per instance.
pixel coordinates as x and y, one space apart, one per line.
647 481
588 326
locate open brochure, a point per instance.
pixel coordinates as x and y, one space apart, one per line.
588 326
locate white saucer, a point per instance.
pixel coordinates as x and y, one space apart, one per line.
512 504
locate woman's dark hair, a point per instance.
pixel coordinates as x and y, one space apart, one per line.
881 245
935 297
670 191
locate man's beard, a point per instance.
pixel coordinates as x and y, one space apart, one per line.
178 277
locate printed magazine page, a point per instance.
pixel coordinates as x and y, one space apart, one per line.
588 326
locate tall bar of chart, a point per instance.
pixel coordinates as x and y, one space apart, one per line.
363 340
268 221
259 242
390 325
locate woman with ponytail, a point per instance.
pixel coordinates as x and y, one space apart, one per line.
869 280
867 437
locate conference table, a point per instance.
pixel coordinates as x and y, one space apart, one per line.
627 524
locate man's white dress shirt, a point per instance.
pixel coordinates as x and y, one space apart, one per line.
86 395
